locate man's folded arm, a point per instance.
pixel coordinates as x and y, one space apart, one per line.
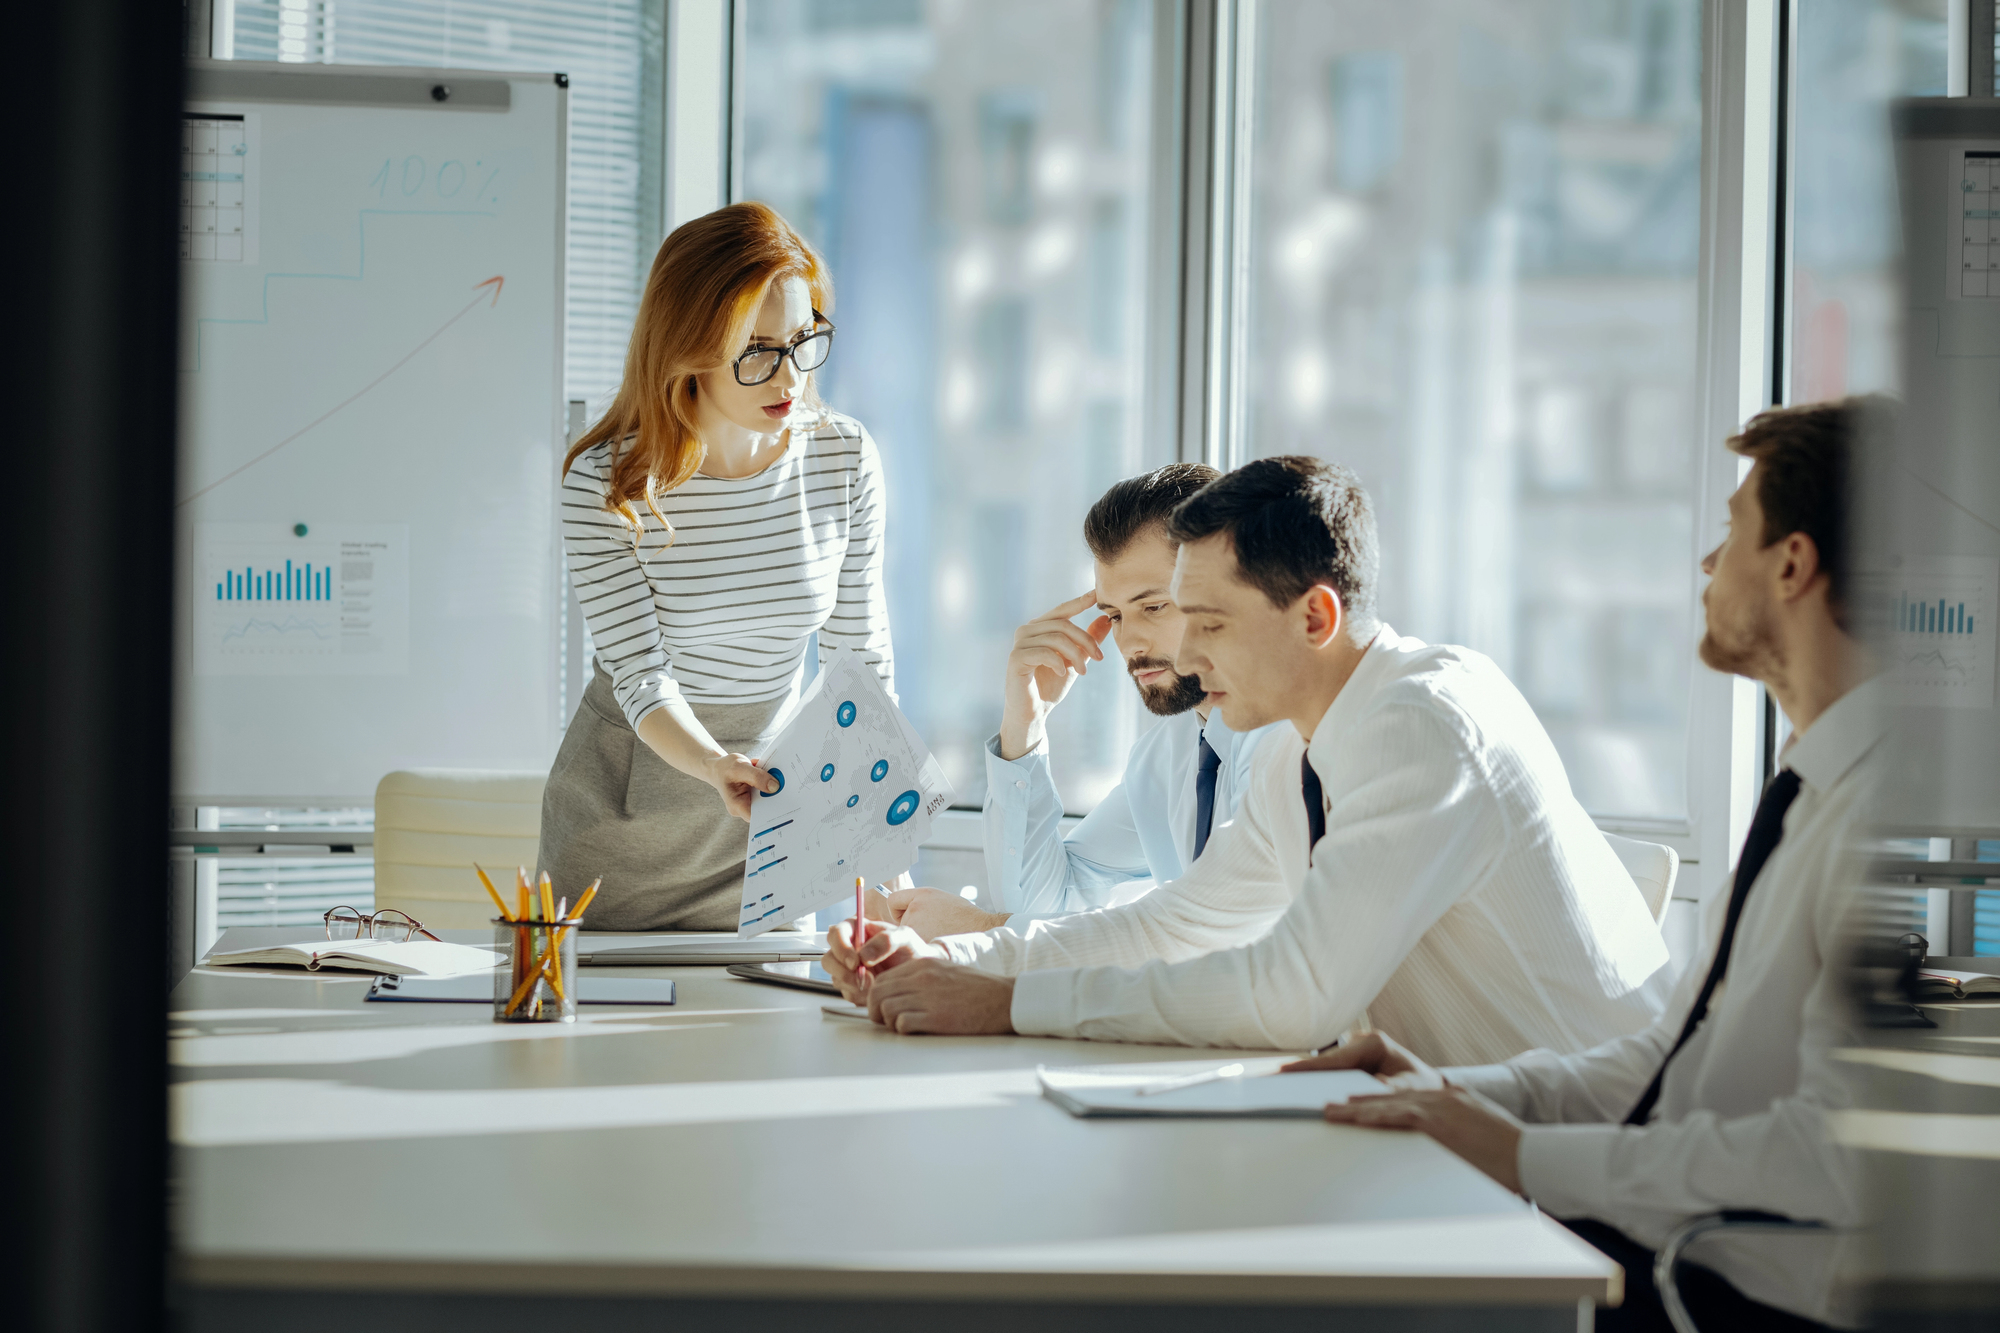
1032 869
1228 897
1399 850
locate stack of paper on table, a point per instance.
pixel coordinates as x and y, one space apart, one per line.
394 958
1259 1093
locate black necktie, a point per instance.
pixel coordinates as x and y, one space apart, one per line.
1765 830
1204 794
1315 804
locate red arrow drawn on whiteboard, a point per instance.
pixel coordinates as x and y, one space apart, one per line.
495 282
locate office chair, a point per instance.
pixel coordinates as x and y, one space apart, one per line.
432 824
1667 1259
1653 868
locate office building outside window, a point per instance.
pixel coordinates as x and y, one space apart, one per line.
981 180
1472 278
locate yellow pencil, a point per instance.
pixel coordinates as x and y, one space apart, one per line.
521 882
555 940
588 894
493 893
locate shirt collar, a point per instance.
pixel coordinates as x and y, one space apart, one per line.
1840 737
1353 696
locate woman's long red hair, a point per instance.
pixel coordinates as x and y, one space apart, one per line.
702 297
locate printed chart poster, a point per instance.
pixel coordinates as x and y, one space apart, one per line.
272 599
1934 618
859 790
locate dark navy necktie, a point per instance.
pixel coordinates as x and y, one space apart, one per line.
1765 831
1204 794
1315 804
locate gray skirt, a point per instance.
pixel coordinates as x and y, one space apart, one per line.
668 850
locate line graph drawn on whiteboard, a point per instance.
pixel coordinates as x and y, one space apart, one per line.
498 283
272 600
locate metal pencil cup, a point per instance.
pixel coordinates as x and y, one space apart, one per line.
538 985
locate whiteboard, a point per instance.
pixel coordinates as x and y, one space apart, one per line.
368 572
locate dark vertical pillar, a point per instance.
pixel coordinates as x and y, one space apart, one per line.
86 520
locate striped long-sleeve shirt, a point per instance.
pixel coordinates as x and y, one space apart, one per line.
756 565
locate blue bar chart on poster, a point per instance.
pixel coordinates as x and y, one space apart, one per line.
301 600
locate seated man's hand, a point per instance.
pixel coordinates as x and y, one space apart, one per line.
933 912
1373 1053
885 946
926 995
877 902
1461 1120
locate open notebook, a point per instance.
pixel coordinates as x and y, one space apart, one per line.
1941 983
1258 1093
394 958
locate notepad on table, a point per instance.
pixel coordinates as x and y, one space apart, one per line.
1259 1093
395 958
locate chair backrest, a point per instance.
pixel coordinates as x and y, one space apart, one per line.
431 824
1653 868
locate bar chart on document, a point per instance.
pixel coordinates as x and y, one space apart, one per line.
1937 617
272 600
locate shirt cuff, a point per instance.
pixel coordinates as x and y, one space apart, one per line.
650 693
961 948
1497 1083
1045 1002
1024 764
1566 1169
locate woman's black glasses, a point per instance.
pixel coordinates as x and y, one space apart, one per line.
808 352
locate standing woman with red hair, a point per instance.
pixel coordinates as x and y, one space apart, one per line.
716 518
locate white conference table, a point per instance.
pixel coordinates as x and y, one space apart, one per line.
744 1146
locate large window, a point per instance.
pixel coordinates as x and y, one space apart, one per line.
982 181
1471 277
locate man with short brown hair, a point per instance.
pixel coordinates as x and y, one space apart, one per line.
1723 1103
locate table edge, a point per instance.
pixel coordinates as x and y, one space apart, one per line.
780 1283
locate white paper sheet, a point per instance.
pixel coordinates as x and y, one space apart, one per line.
1260 1092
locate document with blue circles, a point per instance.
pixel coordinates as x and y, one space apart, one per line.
857 791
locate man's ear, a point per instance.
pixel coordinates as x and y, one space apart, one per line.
1800 569
1325 616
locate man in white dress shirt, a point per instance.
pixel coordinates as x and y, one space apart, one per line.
1183 779
1723 1103
1410 852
